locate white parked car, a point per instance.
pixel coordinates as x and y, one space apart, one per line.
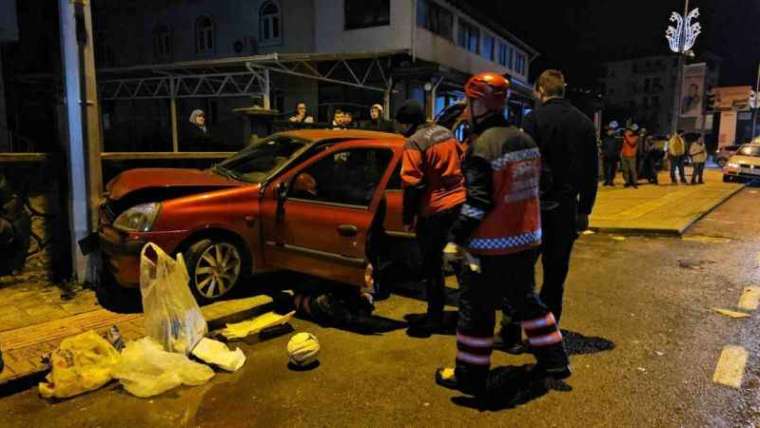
745 164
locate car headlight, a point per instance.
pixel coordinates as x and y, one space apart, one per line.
732 165
139 218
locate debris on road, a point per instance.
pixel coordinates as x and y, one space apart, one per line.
80 364
255 326
618 238
146 369
303 349
588 232
730 313
218 354
750 299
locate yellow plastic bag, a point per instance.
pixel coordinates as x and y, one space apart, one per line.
81 363
172 316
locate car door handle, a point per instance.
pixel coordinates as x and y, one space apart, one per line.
348 230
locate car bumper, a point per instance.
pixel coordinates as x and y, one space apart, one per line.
121 251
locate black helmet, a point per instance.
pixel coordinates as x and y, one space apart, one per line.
411 113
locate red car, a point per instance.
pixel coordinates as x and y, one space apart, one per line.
306 201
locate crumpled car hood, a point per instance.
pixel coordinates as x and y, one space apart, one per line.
156 178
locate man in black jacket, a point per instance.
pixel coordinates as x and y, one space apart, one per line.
611 145
567 140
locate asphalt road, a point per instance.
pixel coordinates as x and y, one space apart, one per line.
644 338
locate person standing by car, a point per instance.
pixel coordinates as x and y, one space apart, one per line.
676 154
496 236
434 190
628 155
610 154
698 154
301 116
567 140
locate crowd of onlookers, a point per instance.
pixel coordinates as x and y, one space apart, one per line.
345 119
639 155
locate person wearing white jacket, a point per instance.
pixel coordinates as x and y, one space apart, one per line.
698 155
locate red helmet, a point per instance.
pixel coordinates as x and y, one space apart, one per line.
491 88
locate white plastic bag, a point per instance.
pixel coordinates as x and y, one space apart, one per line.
172 316
218 354
145 369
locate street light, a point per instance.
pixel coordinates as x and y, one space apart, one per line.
681 39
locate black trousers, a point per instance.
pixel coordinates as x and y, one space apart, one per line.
432 232
511 278
559 235
676 162
649 167
610 169
698 173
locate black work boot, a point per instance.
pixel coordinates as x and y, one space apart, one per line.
509 340
455 379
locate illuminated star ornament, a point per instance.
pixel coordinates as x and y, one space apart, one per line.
685 30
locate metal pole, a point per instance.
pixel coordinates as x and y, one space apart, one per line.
173 108
267 98
75 144
679 73
387 99
757 102
92 118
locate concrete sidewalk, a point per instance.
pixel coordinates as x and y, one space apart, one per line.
663 209
35 318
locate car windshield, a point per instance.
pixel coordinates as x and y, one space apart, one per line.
258 161
750 151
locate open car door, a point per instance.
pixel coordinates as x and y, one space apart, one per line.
317 217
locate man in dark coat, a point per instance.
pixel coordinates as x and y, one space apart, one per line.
566 139
611 145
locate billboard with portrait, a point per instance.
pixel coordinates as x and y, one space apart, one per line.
693 90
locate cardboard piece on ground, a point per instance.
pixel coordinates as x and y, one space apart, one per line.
218 354
730 313
255 326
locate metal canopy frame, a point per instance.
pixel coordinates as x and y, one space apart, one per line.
244 77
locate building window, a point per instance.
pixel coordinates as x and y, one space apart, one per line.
520 63
162 43
270 22
438 20
367 13
469 36
204 34
489 48
505 55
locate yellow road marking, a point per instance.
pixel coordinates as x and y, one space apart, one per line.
730 369
750 299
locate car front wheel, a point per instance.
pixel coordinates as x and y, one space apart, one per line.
214 267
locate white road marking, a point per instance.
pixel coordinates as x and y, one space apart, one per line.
750 299
730 369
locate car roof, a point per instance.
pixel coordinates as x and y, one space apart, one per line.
340 134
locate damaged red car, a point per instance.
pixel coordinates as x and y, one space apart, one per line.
310 201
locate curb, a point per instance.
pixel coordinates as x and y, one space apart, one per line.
668 232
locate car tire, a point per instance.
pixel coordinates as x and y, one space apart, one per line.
727 179
215 267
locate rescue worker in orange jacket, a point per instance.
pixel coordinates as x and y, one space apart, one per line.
497 234
433 185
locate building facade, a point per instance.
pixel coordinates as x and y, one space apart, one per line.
426 48
642 90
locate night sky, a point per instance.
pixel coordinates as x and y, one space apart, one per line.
576 36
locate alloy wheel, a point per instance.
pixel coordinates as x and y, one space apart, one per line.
217 270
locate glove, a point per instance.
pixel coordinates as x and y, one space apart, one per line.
581 222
